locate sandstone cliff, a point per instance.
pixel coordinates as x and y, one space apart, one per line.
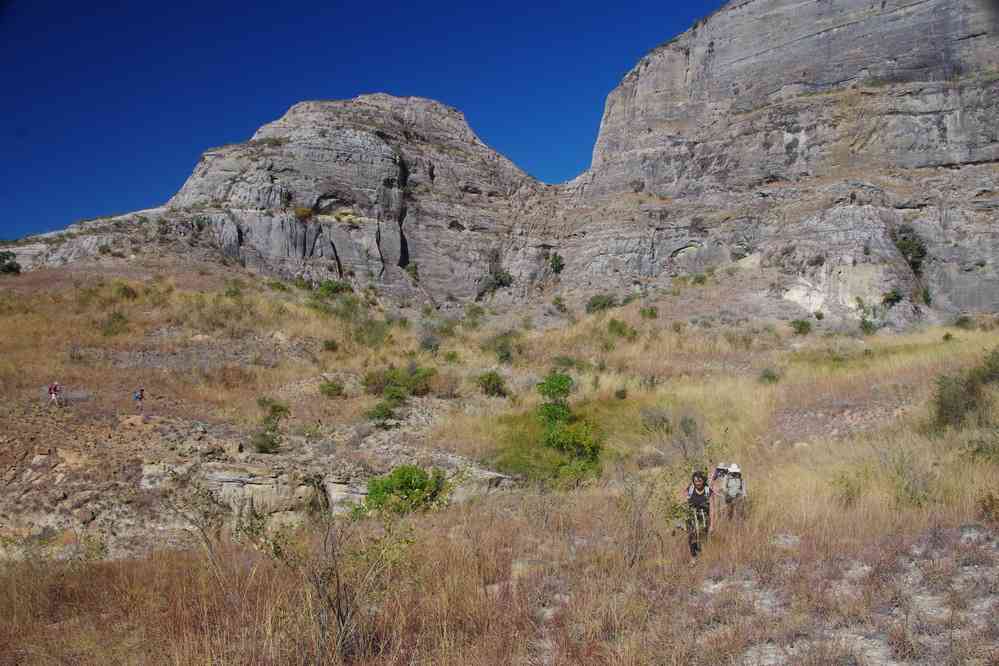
850 148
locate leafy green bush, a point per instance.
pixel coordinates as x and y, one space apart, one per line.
331 389
699 279
621 393
559 304
492 383
233 289
650 312
620 329
405 489
556 262
556 387
868 326
801 326
452 357
331 345
578 439
413 271
601 302
769 376
819 315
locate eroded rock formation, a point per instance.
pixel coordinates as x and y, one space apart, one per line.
805 139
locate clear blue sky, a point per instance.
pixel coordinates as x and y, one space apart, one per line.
107 106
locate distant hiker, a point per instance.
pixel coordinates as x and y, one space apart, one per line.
734 493
139 397
717 485
55 394
698 497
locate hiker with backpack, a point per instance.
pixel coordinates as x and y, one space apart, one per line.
699 499
55 394
734 493
139 397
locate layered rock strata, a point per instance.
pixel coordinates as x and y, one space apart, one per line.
821 141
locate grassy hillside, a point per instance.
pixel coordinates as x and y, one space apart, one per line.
874 484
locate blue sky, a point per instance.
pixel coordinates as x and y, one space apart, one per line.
107 106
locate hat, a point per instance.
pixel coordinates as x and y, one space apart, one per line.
734 469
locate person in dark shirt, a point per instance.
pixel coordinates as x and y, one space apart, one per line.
698 497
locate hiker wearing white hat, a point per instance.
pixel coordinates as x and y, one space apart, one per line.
734 492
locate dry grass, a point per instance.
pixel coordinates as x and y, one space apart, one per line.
595 575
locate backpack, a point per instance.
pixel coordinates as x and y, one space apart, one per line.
733 487
137 396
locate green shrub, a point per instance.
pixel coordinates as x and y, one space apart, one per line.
962 396
267 439
620 329
801 326
331 345
769 376
819 315
910 246
331 389
600 302
553 413
332 288
502 345
556 387
621 393
578 439
405 489
948 336
8 265
556 262
926 295
498 279
492 383
303 214
868 326
650 312
412 380
699 279
381 412
559 304
452 357
413 271
892 298
115 323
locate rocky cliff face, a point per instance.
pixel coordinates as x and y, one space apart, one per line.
851 148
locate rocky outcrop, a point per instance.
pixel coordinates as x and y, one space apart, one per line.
800 139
